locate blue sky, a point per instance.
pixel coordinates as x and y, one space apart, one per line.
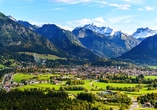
124 15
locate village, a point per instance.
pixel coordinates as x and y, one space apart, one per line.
78 72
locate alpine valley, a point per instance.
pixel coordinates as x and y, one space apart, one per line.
89 42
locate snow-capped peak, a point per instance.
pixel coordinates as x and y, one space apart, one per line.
12 18
143 33
107 31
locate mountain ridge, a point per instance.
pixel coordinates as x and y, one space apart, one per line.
105 42
145 52
66 41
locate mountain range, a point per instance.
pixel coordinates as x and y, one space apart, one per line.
89 41
105 41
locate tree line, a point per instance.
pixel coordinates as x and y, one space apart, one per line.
35 99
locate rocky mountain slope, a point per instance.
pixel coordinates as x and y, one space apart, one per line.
15 38
145 52
66 41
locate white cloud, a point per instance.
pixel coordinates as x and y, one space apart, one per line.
58 9
65 27
102 2
127 21
37 23
140 9
99 21
71 1
134 1
155 19
128 0
149 8
120 19
121 6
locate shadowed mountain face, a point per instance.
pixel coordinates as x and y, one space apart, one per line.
16 38
66 41
145 52
104 41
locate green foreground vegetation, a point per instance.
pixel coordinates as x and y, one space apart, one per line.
109 89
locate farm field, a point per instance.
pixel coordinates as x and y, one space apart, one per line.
2 66
140 108
43 56
151 77
146 77
19 76
41 86
103 85
153 67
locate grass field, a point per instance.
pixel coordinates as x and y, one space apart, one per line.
103 85
19 76
41 86
2 66
153 67
146 109
43 56
151 77
146 77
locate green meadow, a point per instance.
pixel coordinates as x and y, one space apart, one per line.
41 86
2 66
43 56
19 76
153 67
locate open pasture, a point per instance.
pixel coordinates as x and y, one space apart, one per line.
43 56
103 85
151 77
19 76
153 67
2 66
41 86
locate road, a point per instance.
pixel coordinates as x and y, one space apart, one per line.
8 82
134 105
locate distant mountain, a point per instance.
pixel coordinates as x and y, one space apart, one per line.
12 18
142 33
145 52
66 41
107 31
16 38
104 41
27 24
24 23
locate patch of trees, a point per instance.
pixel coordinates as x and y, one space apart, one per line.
72 88
89 97
150 97
35 99
125 78
75 82
152 86
137 88
122 99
